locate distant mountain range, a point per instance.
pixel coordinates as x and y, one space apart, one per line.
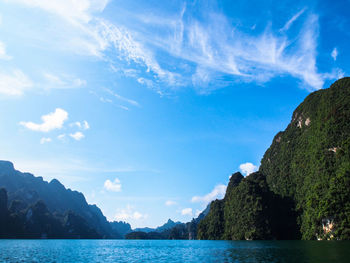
166 226
33 208
28 195
301 191
170 230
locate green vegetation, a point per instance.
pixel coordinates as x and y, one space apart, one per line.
36 221
302 189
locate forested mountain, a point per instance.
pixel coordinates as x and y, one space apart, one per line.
33 208
302 189
31 200
122 228
171 230
169 224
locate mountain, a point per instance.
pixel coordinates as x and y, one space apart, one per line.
121 227
36 221
169 224
144 229
171 230
302 188
309 163
27 194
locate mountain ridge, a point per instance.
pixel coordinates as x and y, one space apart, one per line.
302 188
29 189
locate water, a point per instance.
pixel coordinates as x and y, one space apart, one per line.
172 251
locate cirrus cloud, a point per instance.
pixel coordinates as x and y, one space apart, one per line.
14 83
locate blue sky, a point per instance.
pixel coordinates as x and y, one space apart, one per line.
148 107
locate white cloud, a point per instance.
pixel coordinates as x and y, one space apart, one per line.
119 97
45 140
77 123
129 213
77 136
217 193
15 83
51 121
334 53
74 11
129 49
186 212
216 49
170 203
86 125
114 186
3 54
123 107
61 136
105 100
94 36
137 215
248 168
54 79
64 81
81 125
199 52
292 20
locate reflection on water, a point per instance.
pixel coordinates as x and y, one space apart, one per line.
172 251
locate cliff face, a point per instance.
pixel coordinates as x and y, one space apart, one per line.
302 189
24 191
309 162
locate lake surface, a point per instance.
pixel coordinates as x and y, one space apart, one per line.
172 251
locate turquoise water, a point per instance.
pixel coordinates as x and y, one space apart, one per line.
172 251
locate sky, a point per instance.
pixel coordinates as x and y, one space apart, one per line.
147 107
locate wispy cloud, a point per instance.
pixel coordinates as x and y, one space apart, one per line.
334 53
129 213
14 83
211 49
68 169
187 212
217 193
61 136
77 135
183 51
84 125
292 20
62 81
45 140
121 98
78 10
3 54
123 107
170 203
51 121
